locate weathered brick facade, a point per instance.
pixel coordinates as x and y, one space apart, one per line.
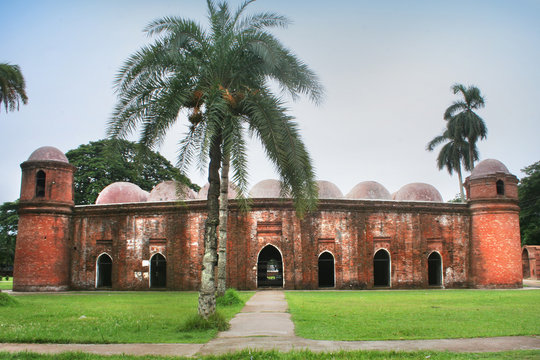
358 244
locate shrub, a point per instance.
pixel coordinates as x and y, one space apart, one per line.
230 298
6 300
197 322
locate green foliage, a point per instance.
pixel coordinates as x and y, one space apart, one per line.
6 300
216 321
529 202
103 162
9 220
457 199
12 87
6 284
231 297
422 314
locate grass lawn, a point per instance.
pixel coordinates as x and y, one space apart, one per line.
296 355
115 317
380 315
6 284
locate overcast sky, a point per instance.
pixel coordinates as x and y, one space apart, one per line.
387 67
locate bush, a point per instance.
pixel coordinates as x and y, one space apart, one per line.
197 322
6 300
230 298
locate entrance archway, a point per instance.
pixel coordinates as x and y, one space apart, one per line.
158 271
104 271
326 270
381 268
434 269
269 268
526 264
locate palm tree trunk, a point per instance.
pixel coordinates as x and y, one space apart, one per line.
471 158
461 192
223 216
207 292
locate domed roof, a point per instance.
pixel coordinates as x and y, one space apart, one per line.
171 190
48 153
270 188
203 193
121 192
418 192
328 190
369 190
488 167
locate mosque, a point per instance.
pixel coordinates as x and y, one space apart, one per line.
135 240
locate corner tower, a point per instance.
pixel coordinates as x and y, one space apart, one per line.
42 253
495 257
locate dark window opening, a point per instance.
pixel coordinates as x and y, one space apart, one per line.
500 187
104 271
381 268
526 264
434 269
326 270
40 183
270 268
158 271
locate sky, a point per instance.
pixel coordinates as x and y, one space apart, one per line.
387 68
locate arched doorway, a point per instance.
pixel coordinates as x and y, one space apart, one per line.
526 264
158 271
381 268
326 270
269 268
104 271
434 269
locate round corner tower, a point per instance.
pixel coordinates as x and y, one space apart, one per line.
495 248
42 253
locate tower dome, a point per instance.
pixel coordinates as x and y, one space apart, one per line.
270 188
328 190
171 190
203 193
488 167
418 192
121 192
369 190
48 153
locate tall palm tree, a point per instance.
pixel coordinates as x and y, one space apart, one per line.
220 79
12 87
463 121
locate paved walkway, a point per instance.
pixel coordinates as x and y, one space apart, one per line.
265 324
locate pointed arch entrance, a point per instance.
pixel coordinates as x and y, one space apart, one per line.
104 271
269 267
158 271
326 270
435 269
526 264
381 268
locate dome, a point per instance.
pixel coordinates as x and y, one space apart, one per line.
488 167
328 190
270 188
369 190
418 192
171 191
121 192
48 153
203 193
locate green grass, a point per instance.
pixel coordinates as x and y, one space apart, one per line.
432 314
6 284
295 355
115 317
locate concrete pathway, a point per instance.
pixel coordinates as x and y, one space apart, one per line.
265 324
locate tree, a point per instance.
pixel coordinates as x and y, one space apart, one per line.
12 87
220 78
463 122
453 153
529 202
100 163
8 232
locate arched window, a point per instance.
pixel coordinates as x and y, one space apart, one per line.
40 183
500 187
434 269
104 271
526 264
158 271
326 270
269 267
381 268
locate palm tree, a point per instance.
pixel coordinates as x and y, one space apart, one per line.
220 79
12 87
452 155
463 121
